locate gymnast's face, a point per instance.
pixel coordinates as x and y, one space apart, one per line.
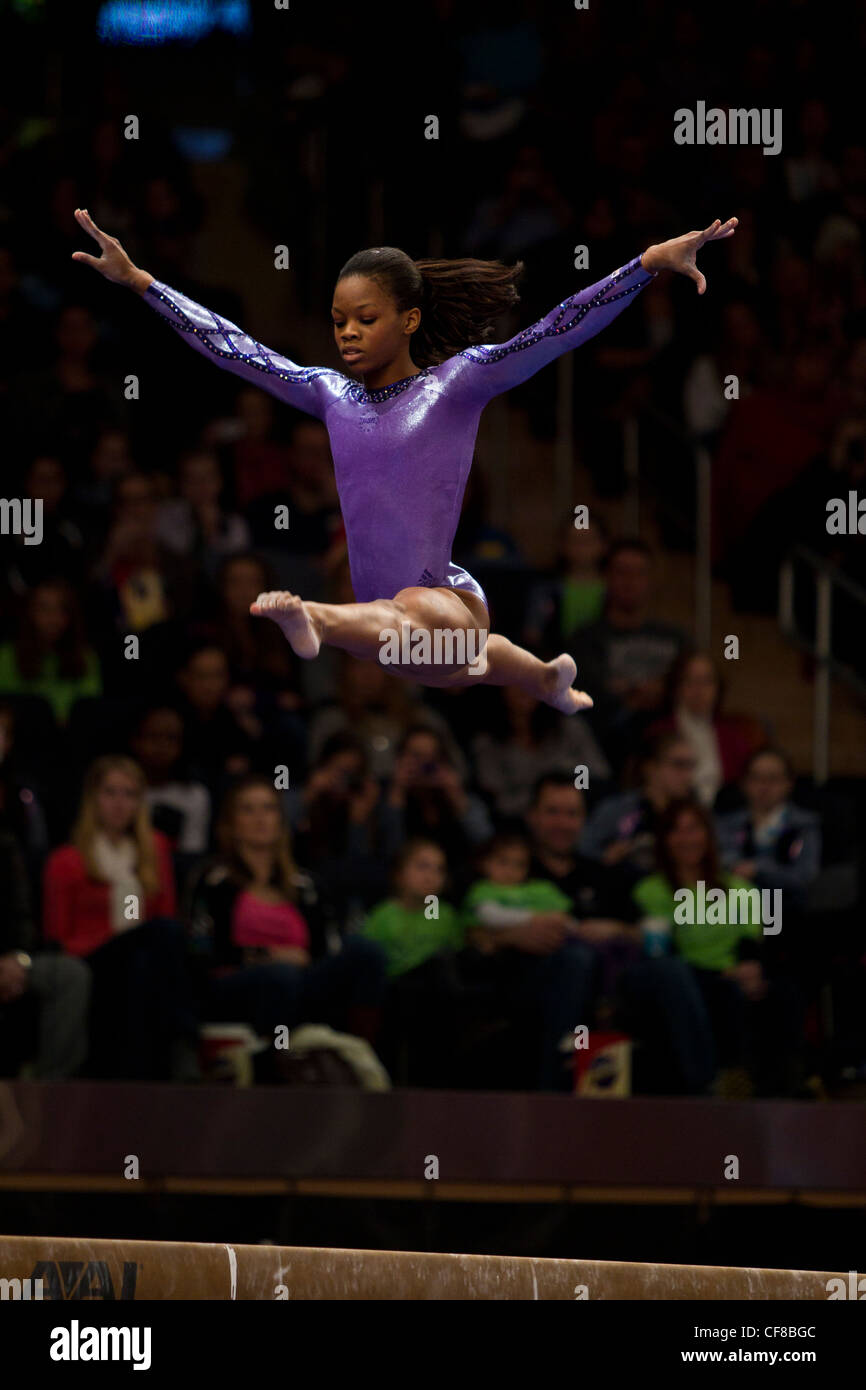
369 330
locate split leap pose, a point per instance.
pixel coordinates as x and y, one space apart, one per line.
402 438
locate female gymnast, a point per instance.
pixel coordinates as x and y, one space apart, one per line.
402 439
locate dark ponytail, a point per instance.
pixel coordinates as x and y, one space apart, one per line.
460 300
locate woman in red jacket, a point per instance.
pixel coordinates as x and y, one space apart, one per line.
109 897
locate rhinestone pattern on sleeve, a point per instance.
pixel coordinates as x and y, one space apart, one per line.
561 323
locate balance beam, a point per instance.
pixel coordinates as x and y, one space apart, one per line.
167 1270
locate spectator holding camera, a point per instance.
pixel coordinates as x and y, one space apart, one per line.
426 797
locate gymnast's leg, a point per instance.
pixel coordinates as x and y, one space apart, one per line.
549 681
357 628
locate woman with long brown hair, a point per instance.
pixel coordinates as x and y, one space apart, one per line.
255 931
757 1020
418 335
109 897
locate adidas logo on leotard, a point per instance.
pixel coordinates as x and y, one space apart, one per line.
427 580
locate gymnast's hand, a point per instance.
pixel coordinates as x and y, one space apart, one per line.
114 263
679 253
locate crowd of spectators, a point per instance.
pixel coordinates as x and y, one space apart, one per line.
195 827
196 831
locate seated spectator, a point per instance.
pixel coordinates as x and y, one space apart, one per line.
195 524
258 653
50 655
654 1000
61 548
426 797
139 582
506 896
624 658
219 744
109 899
333 818
94 491
310 494
420 935
524 739
179 805
258 461
377 708
414 924
32 980
530 974
21 809
252 918
757 1021
559 607
772 842
71 398
265 679
555 819
596 896
620 833
721 743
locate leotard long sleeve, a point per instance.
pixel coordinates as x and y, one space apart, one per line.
402 453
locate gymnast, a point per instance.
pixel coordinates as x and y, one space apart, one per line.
402 437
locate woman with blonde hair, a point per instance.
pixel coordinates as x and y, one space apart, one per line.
109 897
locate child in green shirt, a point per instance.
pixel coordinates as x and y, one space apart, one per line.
421 936
505 897
413 925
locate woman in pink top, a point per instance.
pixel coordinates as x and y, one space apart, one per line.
251 916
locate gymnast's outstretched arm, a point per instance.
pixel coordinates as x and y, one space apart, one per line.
485 371
216 338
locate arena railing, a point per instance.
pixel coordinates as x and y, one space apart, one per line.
826 578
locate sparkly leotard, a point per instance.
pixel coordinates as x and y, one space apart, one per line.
402 453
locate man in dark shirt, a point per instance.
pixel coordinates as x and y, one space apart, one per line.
555 820
655 1000
623 659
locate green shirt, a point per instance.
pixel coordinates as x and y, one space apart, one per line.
708 946
61 692
582 602
535 895
409 936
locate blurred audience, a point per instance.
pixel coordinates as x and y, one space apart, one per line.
109 899
255 938
625 657
757 1022
621 832
721 743
50 656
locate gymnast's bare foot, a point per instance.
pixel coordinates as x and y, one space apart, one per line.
558 690
290 614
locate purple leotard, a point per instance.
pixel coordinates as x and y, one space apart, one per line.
402 453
